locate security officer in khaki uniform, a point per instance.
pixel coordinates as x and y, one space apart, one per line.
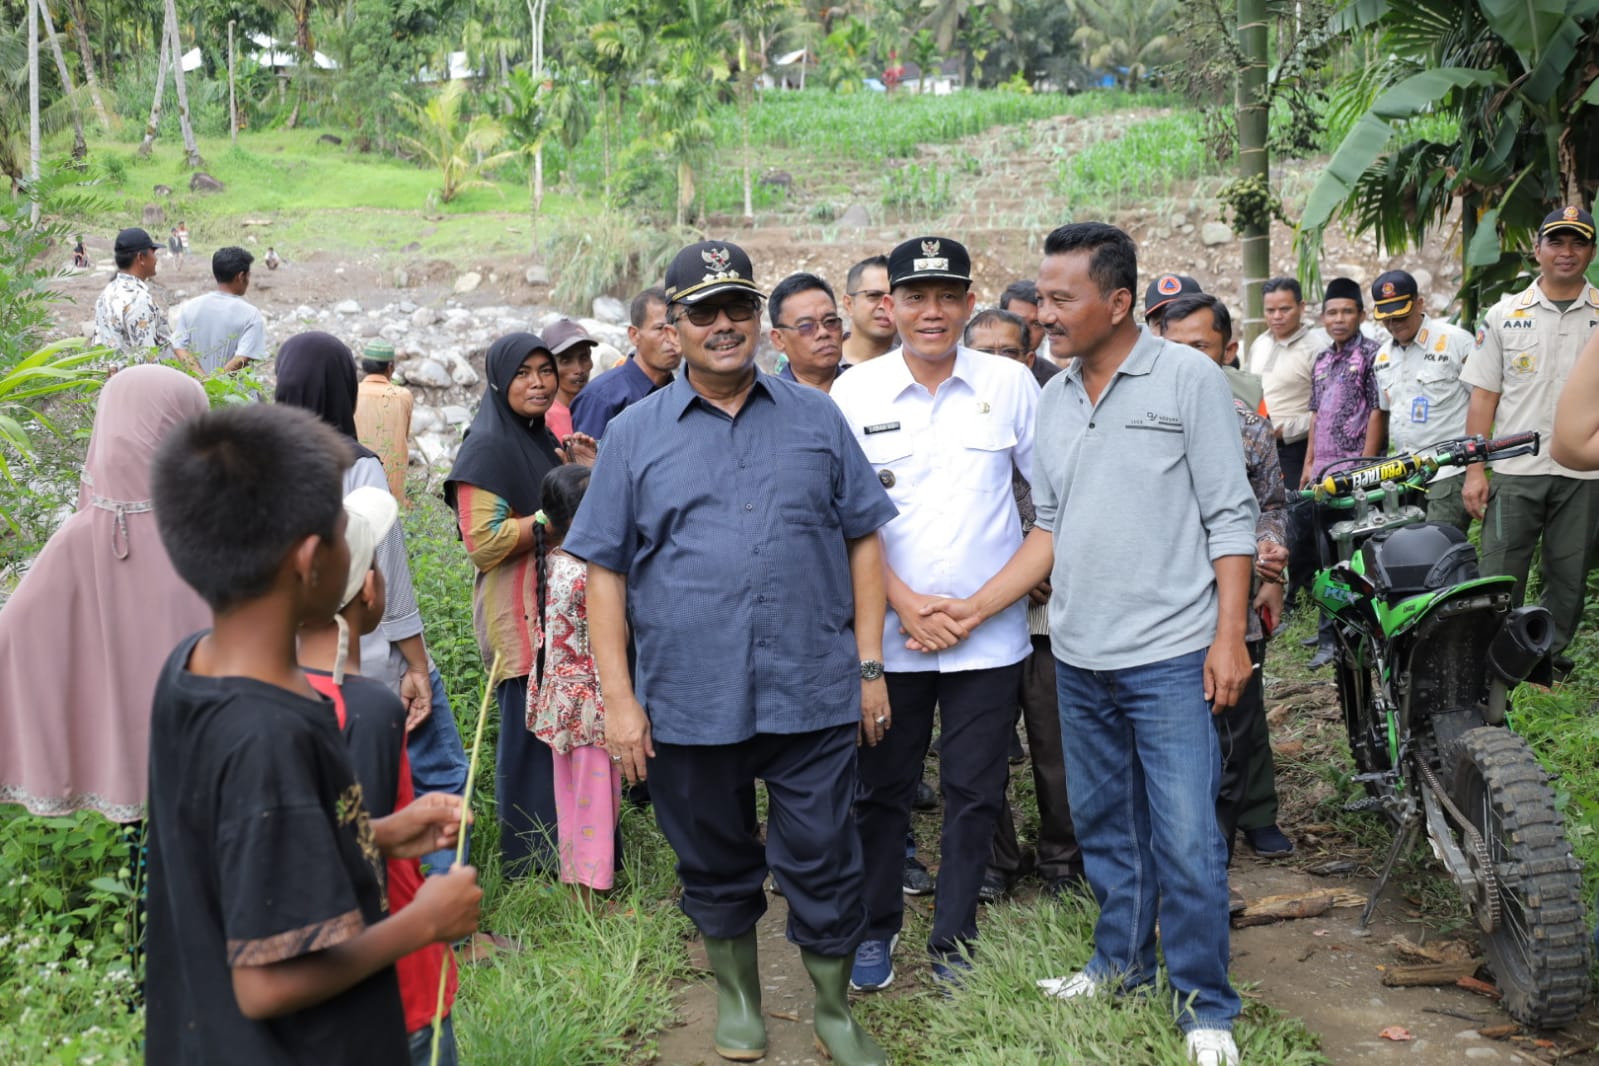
1418 379
1526 347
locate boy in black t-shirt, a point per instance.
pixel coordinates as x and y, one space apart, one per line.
268 941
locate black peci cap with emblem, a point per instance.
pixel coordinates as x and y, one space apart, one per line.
1571 219
929 259
1393 295
702 270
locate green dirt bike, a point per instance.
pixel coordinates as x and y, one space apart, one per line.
1428 652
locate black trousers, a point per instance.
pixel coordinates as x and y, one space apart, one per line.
977 712
524 789
704 800
1303 555
1058 853
1245 744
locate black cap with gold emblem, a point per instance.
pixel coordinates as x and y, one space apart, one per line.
707 268
1568 219
929 258
1393 295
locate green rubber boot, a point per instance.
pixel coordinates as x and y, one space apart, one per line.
837 1036
740 1029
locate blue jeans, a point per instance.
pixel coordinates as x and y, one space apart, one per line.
1142 769
422 1045
438 762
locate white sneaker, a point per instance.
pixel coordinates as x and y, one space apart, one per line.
1212 1047
1078 986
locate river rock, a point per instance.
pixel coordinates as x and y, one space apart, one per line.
203 182
1423 278
428 373
424 419
610 309
455 415
468 282
1215 233
304 313
436 449
536 274
405 307
154 215
423 317
855 217
347 307
606 356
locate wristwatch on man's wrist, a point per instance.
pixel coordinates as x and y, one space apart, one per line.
871 669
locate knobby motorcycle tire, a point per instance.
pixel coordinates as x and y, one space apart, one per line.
1540 950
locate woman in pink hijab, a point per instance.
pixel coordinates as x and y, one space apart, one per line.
84 636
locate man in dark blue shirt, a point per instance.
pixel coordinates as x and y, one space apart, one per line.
647 368
807 330
732 522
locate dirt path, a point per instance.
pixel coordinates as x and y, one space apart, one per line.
1324 970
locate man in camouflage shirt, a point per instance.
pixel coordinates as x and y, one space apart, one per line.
127 317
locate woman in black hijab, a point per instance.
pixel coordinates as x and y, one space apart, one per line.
494 490
316 371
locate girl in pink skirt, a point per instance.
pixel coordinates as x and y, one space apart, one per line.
565 710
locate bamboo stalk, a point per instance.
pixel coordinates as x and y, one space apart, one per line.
460 843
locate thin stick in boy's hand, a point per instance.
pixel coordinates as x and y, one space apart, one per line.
450 904
429 823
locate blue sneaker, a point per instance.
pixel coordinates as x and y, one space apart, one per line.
874 965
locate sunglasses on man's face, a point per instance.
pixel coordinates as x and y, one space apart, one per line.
706 314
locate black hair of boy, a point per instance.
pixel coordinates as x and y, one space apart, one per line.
228 263
235 489
793 285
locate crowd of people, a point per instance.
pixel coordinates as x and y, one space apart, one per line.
1064 511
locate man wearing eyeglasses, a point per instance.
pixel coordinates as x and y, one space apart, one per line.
732 522
807 330
871 331
943 426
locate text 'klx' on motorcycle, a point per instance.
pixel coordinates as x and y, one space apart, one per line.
1428 652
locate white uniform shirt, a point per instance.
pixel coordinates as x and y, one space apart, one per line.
1419 386
946 459
1526 347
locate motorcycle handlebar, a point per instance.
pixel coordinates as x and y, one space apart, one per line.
1413 469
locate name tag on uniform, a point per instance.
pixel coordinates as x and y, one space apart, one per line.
1418 409
882 427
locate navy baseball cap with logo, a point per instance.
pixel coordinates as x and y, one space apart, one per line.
134 240
1166 288
702 270
929 259
1568 219
1393 295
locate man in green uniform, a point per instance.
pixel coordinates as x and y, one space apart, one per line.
1526 347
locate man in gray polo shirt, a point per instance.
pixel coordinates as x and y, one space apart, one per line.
220 329
1147 622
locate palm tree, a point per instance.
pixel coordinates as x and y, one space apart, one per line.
752 24
460 149
191 151
79 147
677 107
81 33
1127 37
1520 86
